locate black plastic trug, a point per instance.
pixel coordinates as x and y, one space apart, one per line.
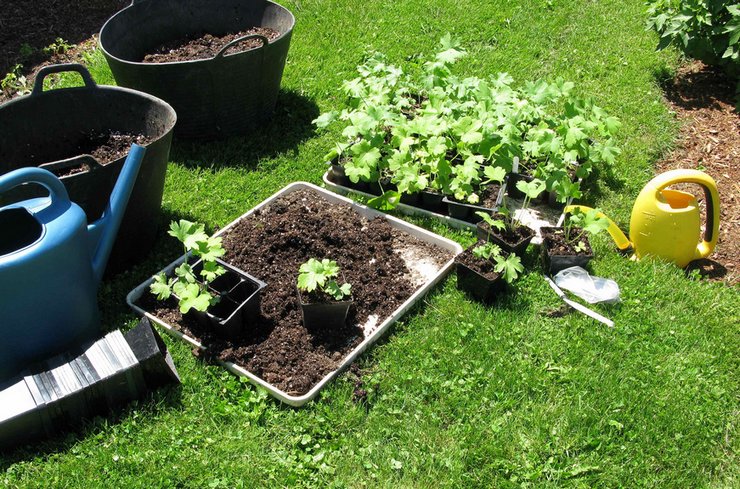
218 97
44 128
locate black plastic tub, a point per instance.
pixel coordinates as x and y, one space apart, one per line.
44 128
218 97
553 263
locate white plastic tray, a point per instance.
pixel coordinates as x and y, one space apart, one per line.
370 337
535 217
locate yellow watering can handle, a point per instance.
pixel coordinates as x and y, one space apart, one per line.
711 232
617 235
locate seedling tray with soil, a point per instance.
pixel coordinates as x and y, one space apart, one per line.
391 264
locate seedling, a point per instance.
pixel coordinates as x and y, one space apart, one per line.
192 291
592 222
321 275
509 267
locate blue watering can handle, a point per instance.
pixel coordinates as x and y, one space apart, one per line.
45 178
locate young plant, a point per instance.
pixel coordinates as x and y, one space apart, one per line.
591 221
531 190
191 290
509 267
321 275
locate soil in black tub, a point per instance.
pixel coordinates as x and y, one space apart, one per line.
205 46
105 147
271 244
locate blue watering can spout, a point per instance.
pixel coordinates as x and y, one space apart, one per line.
103 231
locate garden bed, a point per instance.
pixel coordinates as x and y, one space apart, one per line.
389 263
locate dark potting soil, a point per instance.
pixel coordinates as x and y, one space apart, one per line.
487 196
509 235
271 244
205 46
558 245
104 147
480 265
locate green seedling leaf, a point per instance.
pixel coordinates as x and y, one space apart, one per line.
184 273
188 233
509 267
311 276
161 287
211 271
209 249
325 119
494 174
531 189
192 297
336 291
386 202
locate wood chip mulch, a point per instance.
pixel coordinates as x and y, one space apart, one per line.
704 101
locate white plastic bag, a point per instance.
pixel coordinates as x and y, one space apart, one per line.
591 289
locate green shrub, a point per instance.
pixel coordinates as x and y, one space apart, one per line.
707 30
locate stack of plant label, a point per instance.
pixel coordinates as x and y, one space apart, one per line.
76 385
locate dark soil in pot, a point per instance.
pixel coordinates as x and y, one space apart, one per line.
271 244
513 240
477 277
205 45
466 212
558 254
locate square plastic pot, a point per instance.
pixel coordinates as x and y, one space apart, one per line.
239 304
518 248
553 263
478 286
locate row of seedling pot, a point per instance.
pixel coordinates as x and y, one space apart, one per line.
226 300
489 267
427 137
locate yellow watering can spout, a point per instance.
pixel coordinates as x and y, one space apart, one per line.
666 223
621 240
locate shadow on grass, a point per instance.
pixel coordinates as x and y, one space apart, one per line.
289 125
698 86
75 431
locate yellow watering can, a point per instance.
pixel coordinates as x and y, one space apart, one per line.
666 223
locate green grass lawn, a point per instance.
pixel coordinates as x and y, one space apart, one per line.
460 395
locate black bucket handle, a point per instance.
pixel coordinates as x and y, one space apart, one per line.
236 41
87 160
38 85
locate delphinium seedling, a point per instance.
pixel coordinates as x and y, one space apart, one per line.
509 267
591 222
321 275
191 289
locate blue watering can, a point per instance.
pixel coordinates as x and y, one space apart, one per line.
51 262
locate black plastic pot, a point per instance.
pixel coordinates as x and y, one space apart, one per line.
465 212
324 314
239 304
518 248
44 127
477 285
553 263
218 97
338 176
431 201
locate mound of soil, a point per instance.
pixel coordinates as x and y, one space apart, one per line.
271 244
205 46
